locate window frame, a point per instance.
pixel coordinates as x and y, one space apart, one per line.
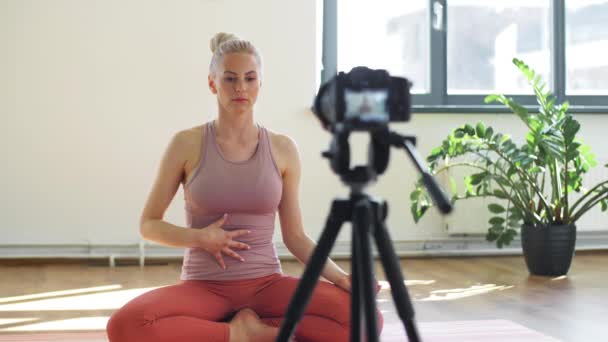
438 100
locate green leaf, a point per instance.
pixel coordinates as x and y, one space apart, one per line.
531 138
469 129
571 127
514 223
418 211
573 153
520 110
468 186
435 154
519 157
536 169
496 208
529 73
509 147
415 194
551 102
415 212
491 98
480 129
500 194
477 178
506 237
453 186
511 171
527 161
491 236
489 132
494 233
511 233
515 214
445 146
496 221
588 156
498 138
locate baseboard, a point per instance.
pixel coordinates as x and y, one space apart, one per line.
453 246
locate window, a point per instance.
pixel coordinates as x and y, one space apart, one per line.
457 51
484 36
391 37
586 42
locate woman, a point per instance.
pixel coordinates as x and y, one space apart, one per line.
236 175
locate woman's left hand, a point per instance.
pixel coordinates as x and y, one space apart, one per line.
345 283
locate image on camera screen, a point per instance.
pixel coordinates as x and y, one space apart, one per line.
366 102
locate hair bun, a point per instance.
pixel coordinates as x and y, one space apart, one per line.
220 38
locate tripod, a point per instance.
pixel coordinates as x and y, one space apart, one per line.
367 216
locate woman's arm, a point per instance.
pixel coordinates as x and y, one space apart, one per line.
294 236
169 176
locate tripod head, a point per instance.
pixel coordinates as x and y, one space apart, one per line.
378 155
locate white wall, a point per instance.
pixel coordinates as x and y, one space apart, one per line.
92 91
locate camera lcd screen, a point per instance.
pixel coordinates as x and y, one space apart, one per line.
370 102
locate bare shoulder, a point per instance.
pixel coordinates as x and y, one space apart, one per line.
284 149
191 135
188 143
186 140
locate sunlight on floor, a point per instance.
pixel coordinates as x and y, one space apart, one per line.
85 323
385 285
60 293
474 290
95 301
107 297
6 321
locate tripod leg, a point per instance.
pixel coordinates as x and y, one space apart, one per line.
355 294
313 269
362 223
392 269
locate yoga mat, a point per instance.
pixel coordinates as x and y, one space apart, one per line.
452 331
466 331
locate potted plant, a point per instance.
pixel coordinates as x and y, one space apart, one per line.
536 186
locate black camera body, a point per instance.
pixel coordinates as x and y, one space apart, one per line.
363 100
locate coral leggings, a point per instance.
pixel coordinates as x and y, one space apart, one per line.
198 310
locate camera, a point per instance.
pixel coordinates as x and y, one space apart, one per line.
363 99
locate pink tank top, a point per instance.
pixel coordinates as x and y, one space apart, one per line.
249 192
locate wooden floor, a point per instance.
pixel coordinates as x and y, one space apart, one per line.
572 308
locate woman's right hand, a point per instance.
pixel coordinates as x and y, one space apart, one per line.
215 240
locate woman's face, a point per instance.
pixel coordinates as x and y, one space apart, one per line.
236 83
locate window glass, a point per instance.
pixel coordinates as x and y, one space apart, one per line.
386 34
586 44
483 37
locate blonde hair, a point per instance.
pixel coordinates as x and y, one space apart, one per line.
223 43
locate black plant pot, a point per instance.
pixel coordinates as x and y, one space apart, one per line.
548 250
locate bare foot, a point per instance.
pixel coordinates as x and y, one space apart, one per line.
247 326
